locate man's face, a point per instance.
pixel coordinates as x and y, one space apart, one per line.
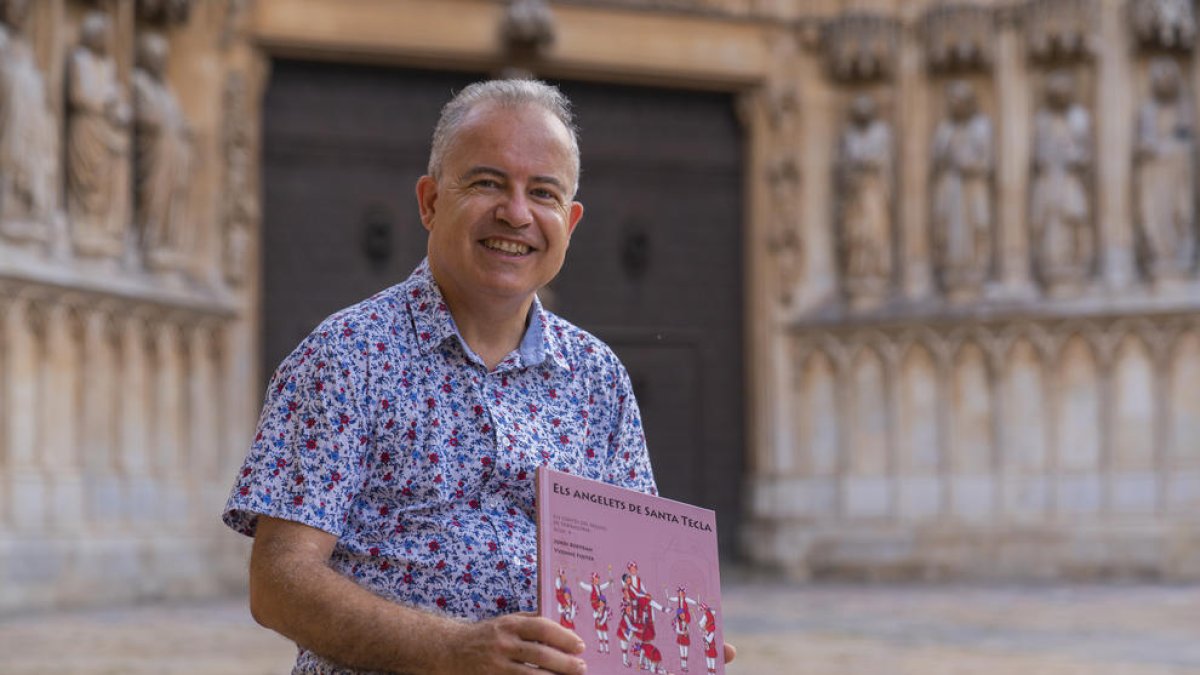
500 216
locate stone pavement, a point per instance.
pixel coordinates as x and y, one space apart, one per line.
779 629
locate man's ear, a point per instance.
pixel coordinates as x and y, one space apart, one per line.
574 214
427 193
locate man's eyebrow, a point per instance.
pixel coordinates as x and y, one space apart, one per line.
484 170
481 170
551 180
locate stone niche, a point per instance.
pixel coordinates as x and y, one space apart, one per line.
128 208
1010 398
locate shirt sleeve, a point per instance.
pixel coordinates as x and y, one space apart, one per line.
629 460
306 461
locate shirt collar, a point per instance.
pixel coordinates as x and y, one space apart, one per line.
541 340
433 324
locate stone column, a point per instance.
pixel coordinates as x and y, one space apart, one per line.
203 462
916 272
5 413
1012 164
169 438
1115 97
23 341
818 128
59 412
101 403
136 408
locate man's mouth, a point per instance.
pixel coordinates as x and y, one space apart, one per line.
505 246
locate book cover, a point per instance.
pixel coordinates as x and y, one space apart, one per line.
636 576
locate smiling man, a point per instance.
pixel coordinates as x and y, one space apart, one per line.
390 489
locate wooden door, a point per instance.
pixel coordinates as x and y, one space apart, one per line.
654 268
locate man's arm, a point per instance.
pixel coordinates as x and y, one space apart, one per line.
294 592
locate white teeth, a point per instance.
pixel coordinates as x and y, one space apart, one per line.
507 246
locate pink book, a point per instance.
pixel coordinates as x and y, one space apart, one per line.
636 576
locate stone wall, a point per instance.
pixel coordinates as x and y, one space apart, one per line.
971 293
983 243
128 214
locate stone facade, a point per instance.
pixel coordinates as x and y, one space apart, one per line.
1016 399
128 385
972 293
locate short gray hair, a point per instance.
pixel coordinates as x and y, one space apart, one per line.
507 94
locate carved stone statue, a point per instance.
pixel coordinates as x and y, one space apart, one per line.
1060 206
865 199
97 142
1166 214
27 135
164 158
962 200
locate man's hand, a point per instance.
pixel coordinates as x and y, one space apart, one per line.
510 644
294 592
730 652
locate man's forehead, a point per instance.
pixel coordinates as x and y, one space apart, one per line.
487 116
491 132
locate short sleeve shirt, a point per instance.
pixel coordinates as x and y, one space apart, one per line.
384 429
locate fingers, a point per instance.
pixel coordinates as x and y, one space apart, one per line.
545 644
549 633
730 652
547 659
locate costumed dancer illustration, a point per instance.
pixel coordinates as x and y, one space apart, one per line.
600 612
650 658
566 603
626 626
682 624
634 582
708 628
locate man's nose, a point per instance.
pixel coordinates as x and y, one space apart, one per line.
514 210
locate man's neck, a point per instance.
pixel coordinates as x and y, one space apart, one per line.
491 330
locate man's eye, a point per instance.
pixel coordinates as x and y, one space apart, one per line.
486 183
542 193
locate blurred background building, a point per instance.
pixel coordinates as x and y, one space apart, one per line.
907 288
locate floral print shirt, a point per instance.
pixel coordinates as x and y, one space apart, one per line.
384 429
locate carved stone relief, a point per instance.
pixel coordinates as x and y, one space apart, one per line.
697 6
528 22
864 178
861 47
27 132
1060 208
235 13
783 179
1164 24
98 119
959 37
962 162
1164 183
164 12
240 196
164 158
1057 30
780 103
526 30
